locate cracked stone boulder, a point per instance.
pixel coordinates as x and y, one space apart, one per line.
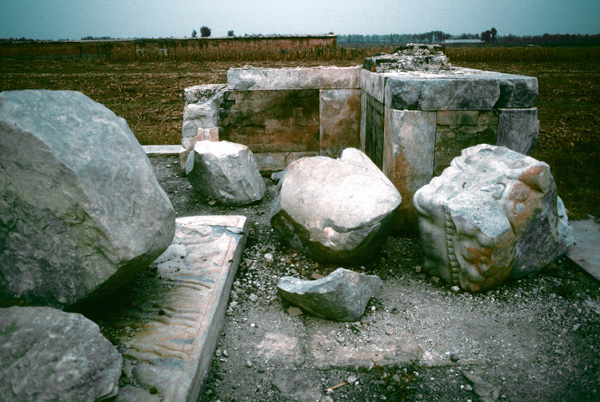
81 211
490 215
47 354
225 171
335 210
340 296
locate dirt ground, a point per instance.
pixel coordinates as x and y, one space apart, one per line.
530 339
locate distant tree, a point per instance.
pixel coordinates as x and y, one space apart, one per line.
194 33
486 36
493 31
205 32
230 33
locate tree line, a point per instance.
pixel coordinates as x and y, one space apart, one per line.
488 36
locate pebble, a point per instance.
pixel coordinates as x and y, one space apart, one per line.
253 298
455 289
389 331
269 259
248 363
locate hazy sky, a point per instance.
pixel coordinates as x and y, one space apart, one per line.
74 19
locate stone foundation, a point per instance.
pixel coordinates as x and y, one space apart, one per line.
410 123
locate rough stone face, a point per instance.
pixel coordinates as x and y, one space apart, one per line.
250 78
204 134
225 171
339 121
336 210
491 214
408 157
410 57
340 296
201 109
46 354
81 211
518 129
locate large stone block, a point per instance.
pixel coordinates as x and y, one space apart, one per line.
226 172
47 354
459 89
434 93
518 129
200 110
373 84
335 210
339 121
81 211
272 121
491 214
408 157
252 79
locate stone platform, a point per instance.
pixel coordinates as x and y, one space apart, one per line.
166 322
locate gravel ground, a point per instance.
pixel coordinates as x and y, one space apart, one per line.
529 339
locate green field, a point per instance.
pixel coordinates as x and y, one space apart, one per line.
147 93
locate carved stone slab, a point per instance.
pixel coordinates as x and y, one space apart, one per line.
166 322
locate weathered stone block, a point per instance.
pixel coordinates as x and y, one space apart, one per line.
340 296
277 161
373 84
272 121
201 109
432 94
253 79
408 157
48 354
518 129
335 210
81 211
225 171
339 121
491 214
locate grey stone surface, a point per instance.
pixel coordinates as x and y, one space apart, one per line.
408 158
162 149
46 354
586 249
81 211
458 89
201 109
250 78
491 214
337 210
518 129
225 171
168 319
340 296
339 121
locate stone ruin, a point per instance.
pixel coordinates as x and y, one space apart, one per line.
455 139
410 112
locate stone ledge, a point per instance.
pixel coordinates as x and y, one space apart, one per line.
167 320
253 79
158 150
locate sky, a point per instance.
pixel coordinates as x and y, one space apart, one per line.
74 19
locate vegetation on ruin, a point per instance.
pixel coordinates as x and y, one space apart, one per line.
147 93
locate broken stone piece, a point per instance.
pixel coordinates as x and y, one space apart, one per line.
225 171
340 296
48 354
491 214
335 210
81 211
200 109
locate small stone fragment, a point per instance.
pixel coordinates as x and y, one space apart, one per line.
294 311
341 296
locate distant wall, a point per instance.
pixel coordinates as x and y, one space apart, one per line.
128 49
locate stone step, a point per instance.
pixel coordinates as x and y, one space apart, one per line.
160 150
166 322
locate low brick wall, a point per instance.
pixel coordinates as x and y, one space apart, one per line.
131 48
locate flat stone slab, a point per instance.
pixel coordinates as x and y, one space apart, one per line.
586 250
166 322
163 149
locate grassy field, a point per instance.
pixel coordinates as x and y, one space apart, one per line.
148 95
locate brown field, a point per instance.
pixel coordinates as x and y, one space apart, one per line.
147 93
